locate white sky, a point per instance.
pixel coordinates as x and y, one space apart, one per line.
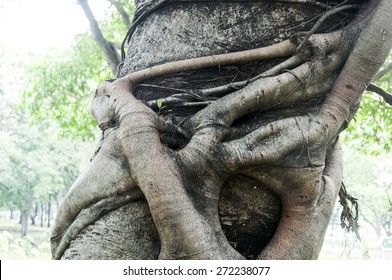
36 25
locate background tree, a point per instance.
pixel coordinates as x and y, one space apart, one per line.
106 47
31 153
52 92
371 188
34 170
369 132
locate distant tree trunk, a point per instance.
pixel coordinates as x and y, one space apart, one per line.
56 199
24 223
25 214
107 47
34 214
386 222
12 214
42 214
383 72
120 9
49 213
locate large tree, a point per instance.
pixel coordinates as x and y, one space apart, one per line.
220 133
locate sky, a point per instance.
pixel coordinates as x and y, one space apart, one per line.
31 28
37 25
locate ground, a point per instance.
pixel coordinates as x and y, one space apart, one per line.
337 244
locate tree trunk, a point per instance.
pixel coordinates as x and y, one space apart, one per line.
12 214
107 47
25 215
386 223
34 215
49 212
24 218
219 141
56 200
121 10
42 214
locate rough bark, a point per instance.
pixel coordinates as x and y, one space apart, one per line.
220 138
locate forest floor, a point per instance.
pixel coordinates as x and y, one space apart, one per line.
337 244
348 247
34 246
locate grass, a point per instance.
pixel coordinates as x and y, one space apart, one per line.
33 246
345 246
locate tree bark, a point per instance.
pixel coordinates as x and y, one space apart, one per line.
219 141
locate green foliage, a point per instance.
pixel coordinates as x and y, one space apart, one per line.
368 177
34 163
161 106
36 166
15 248
12 247
371 130
61 86
113 27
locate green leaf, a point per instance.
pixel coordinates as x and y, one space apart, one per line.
159 103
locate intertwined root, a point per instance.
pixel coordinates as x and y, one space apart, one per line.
294 154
